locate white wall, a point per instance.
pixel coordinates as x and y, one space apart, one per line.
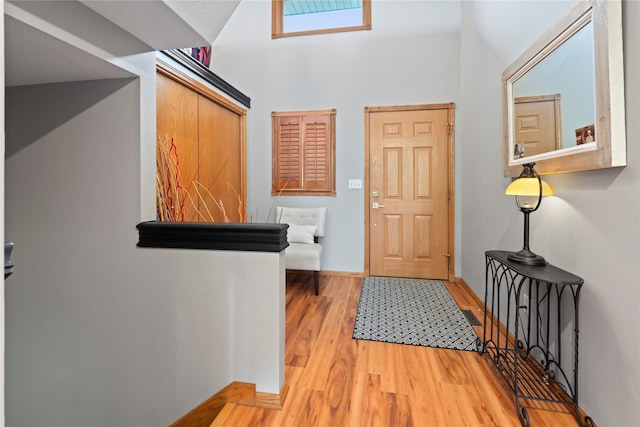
592 227
2 303
409 57
99 332
93 324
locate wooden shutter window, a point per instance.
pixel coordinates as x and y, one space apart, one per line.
303 153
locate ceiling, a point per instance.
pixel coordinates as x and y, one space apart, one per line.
34 57
60 41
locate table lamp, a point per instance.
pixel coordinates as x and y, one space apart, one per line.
529 190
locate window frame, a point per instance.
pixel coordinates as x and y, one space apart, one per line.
303 189
277 22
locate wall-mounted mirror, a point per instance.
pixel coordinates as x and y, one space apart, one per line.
564 97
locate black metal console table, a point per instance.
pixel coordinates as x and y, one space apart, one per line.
528 301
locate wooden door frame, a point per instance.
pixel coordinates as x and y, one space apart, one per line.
450 175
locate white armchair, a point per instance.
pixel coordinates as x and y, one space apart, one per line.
304 251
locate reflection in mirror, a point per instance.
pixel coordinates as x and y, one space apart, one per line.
537 121
564 97
555 100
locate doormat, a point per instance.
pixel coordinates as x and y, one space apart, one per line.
412 311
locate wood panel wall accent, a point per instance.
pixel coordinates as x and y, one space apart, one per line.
209 132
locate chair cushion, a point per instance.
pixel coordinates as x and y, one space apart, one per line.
303 216
301 233
303 256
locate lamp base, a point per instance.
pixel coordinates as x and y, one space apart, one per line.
526 257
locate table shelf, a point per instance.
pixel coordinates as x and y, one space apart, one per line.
527 309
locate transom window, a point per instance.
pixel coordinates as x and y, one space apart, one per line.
305 17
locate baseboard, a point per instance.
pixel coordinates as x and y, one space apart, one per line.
223 415
270 400
502 329
341 273
221 404
334 273
470 291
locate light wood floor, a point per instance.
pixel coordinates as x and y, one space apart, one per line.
335 380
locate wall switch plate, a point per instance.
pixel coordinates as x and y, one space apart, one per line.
355 184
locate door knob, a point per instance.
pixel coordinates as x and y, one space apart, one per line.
377 205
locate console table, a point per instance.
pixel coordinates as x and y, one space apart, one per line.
527 317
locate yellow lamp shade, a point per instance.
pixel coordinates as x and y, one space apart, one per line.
528 187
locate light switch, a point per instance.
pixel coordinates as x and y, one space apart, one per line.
355 184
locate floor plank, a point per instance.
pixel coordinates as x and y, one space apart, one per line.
335 380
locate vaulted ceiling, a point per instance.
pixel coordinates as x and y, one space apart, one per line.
57 41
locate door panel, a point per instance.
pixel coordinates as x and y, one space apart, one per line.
408 168
422 177
177 118
220 151
537 124
392 233
422 227
392 174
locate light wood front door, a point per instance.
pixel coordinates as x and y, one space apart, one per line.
408 200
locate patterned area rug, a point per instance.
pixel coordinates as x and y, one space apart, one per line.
412 311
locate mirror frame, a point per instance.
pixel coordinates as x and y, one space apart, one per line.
609 149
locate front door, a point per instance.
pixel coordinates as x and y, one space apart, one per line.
408 200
